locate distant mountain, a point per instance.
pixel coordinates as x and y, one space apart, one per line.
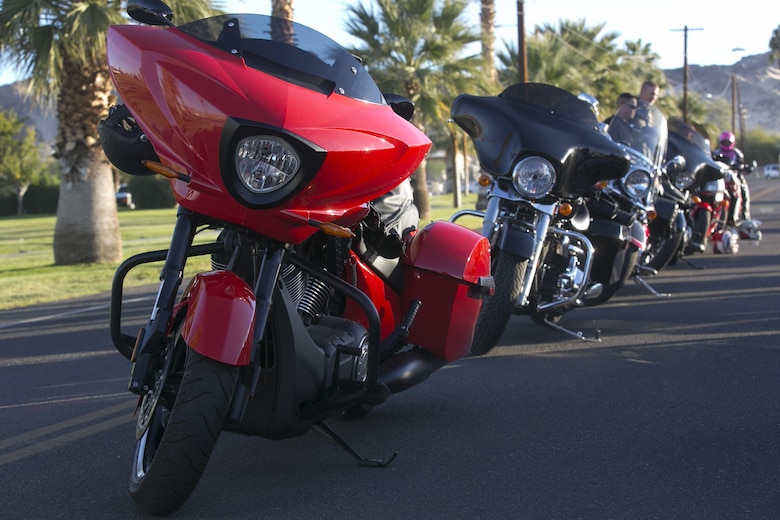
44 121
759 87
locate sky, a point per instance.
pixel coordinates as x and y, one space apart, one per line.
720 34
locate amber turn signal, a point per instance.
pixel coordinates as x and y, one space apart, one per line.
165 171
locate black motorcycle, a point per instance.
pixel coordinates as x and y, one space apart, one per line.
646 189
543 151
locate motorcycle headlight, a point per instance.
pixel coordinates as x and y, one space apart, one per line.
265 163
533 177
683 180
637 183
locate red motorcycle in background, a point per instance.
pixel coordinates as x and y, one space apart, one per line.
316 307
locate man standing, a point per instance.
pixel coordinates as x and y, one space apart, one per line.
647 96
620 123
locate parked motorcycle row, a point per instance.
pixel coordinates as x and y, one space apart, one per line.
575 207
324 299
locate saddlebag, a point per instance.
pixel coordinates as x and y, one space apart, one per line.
447 268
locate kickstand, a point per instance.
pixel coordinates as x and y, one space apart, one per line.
325 430
578 334
691 264
638 279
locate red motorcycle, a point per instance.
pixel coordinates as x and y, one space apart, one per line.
316 306
709 216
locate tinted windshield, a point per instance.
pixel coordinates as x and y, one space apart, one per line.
552 100
644 131
680 128
288 50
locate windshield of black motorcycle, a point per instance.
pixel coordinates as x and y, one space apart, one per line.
553 101
645 131
683 130
290 51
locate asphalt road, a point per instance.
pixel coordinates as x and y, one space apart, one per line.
674 414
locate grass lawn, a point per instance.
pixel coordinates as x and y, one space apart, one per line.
28 274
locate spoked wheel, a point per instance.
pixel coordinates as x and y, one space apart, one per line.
178 425
508 273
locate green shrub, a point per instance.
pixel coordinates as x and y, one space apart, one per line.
39 200
151 192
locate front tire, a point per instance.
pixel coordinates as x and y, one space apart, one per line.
610 290
183 427
508 273
663 250
699 237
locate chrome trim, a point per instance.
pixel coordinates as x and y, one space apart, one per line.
590 251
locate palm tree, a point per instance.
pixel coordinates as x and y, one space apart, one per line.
579 58
60 46
774 46
487 18
282 9
416 48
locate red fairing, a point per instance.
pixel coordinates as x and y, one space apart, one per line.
387 302
442 267
223 299
182 93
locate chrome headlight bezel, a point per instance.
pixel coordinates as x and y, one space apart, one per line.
637 183
533 177
684 180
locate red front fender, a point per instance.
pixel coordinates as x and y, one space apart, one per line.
220 317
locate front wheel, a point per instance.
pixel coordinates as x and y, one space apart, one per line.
609 290
701 230
661 250
178 425
508 274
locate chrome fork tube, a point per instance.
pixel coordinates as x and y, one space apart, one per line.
542 225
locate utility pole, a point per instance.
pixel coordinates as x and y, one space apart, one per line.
741 118
733 103
522 65
685 30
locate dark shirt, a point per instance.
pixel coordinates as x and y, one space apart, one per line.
620 131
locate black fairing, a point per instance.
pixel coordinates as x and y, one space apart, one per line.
686 141
537 119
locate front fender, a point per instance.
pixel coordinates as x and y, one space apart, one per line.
220 317
518 239
680 223
638 235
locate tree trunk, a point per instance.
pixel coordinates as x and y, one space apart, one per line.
457 188
282 9
87 229
419 182
20 192
419 179
487 16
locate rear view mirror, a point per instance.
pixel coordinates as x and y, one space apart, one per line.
150 12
